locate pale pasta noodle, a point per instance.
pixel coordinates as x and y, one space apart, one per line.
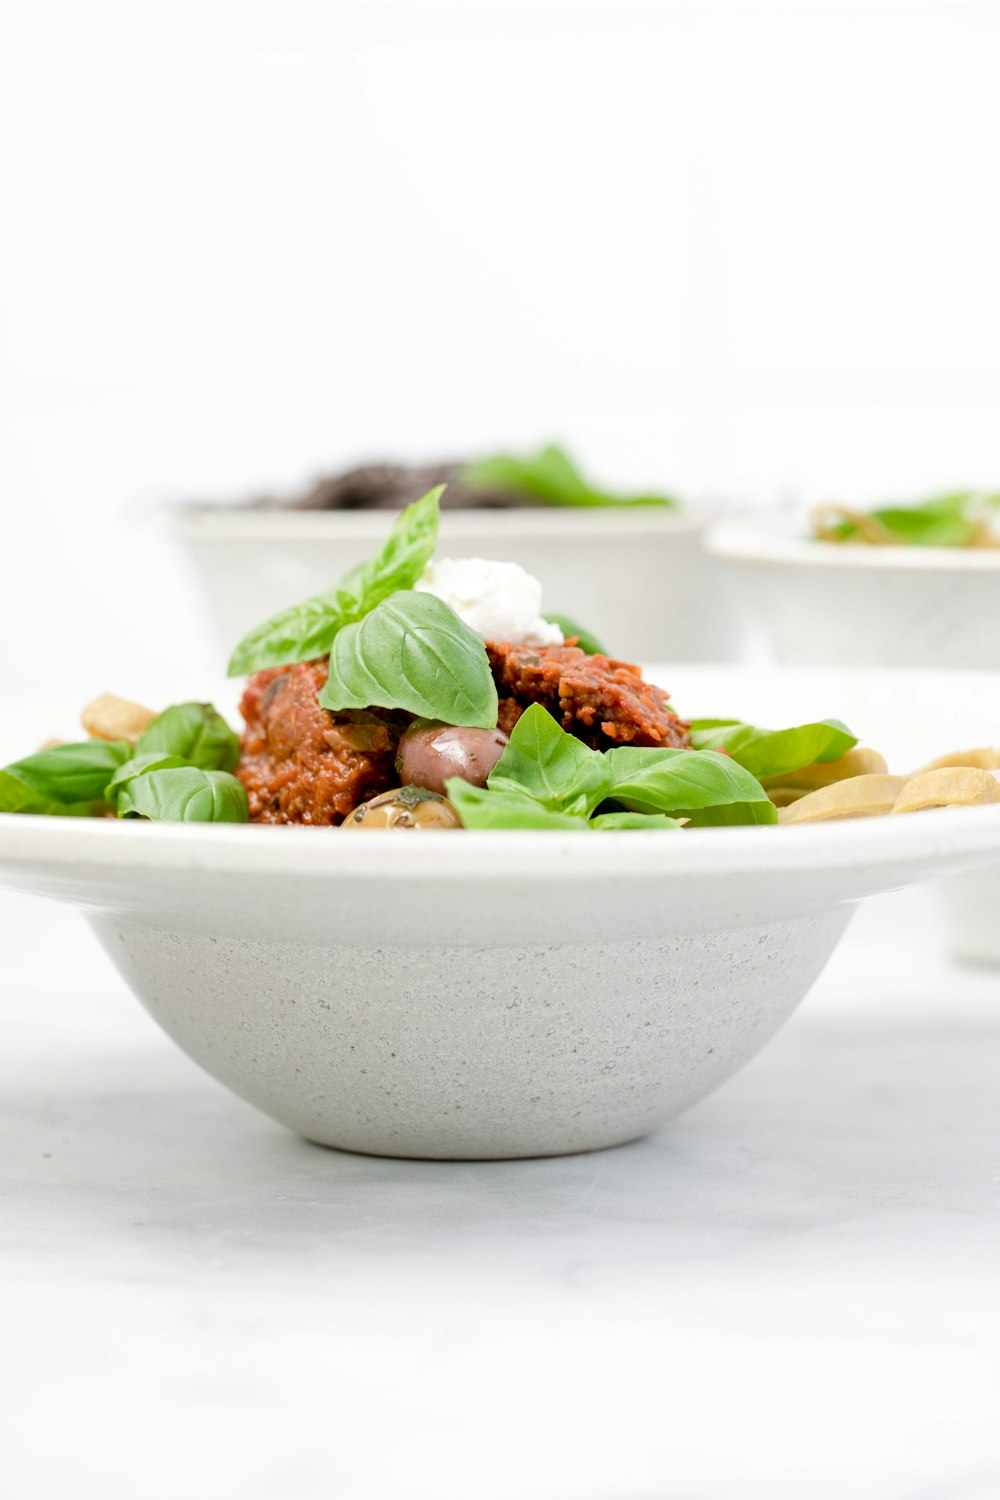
859 797
948 786
111 718
984 758
827 518
789 788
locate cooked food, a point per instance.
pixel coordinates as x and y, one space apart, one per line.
857 797
405 807
502 481
430 755
301 764
600 700
985 758
111 718
423 693
861 761
948 786
965 518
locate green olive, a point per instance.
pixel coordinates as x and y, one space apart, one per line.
404 807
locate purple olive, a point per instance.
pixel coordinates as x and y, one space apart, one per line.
430 753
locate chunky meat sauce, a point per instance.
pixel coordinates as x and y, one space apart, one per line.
302 764
602 701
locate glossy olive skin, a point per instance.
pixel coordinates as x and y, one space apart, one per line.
404 807
430 753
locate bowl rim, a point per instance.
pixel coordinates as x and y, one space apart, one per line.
192 522
762 543
31 841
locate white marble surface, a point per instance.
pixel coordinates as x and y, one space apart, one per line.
793 1292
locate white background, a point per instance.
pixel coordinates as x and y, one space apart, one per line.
741 250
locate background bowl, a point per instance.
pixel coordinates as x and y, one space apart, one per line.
878 606
861 606
498 995
639 578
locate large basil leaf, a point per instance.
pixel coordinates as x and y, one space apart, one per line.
699 785
553 767
65 775
298 633
307 630
412 652
585 639
483 807
549 477
400 561
773 752
195 732
184 794
15 797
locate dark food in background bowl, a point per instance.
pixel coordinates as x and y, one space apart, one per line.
501 482
393 487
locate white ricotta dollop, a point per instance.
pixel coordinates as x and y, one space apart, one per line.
498 600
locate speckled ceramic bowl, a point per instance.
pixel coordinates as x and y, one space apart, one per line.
494 994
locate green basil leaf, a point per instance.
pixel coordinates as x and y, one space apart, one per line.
140 765
298 633
553 767
549 477
640 821
15 797
412 652
400 561
482 807
69 774
774 752
194 731
700 785
184 794
307 630
586 640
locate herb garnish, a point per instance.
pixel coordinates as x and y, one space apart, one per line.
546 778
963 518
773 752
412 652
179 770
390 646
307 630
549 477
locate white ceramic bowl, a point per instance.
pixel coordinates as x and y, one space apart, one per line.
496 995
862 606
640 578
879 607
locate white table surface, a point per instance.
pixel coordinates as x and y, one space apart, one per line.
794 1291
